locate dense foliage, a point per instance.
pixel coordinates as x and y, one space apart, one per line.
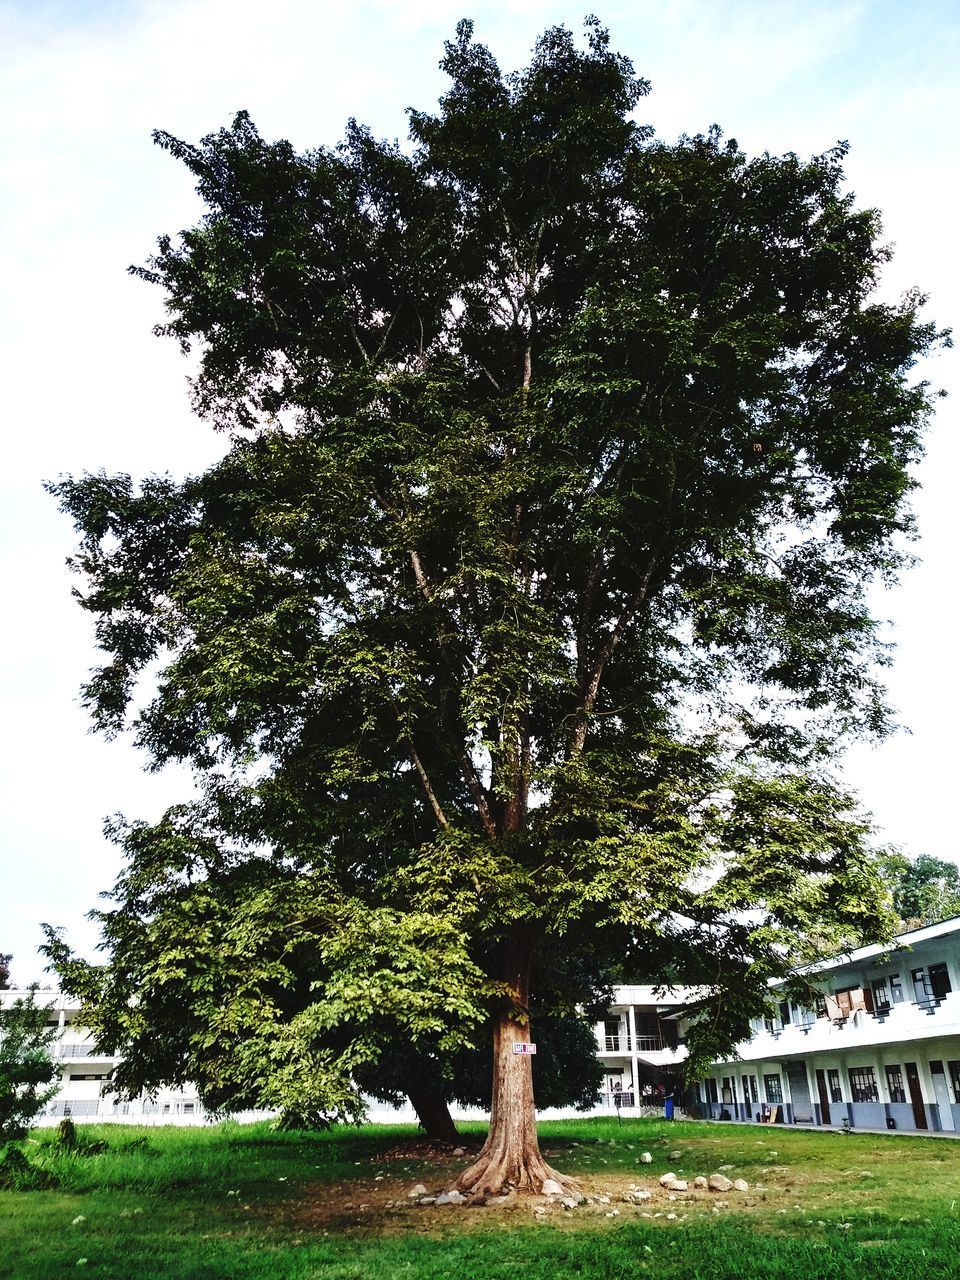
528 600
27 1071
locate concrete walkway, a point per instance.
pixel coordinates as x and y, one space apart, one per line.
832 1128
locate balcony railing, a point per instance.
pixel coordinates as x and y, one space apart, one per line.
616 1044
627 1044
67 1052
618 1098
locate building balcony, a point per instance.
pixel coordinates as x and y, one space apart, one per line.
79 1053
617 1044
888 1023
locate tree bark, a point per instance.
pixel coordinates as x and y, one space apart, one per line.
433 1114
510 1157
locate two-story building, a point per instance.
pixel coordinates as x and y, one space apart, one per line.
640 1045
84 1075
879 1046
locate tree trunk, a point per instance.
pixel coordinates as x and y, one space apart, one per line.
433 1113
510 1157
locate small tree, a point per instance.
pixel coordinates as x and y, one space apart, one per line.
528 600
5 971
27 1072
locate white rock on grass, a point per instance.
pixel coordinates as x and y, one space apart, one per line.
740 1184
646 1158
678 1184
570 1202
415 1192
551 1188
450 1197
668 1179
719 1182
700 1182
724 1168
675 1155
459 1151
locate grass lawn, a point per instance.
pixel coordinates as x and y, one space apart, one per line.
243 1203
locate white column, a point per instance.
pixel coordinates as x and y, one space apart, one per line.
632 1035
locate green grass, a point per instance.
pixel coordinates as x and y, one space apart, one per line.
232 1203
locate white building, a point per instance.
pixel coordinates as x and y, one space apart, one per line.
640 1045
84 1073
879 1048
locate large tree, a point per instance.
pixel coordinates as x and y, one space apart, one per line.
528 599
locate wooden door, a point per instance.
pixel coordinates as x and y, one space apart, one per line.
824 1097
916 1095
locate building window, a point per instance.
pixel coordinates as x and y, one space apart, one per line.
73 1075
954 1069
863 1085
750 1091
773 1088
833 1079
895 1084
921 987
711 1089
881 993
896 988
939 981
726 1090
820 1005
785 1013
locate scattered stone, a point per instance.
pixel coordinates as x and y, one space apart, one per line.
675 1155
679 1185
668 1179
636 1196
671 1217
570 1202
646 1158
725 1167
603 1199
719 1182
740 1184
416 1192
614 1213
700 1182
450 1197
551 1188
78 1221
427 1200
459 1151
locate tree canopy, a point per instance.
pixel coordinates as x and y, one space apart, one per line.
528 600
925 889
27 1071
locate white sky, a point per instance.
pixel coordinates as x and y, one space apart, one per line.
86 385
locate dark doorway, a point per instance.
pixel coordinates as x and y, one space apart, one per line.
824 1098
916 1095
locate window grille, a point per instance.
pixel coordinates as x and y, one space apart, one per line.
895 1084
863 1084
773 1088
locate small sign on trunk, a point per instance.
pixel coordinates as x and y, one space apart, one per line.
524 1048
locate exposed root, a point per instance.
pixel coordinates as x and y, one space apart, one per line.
498 1170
